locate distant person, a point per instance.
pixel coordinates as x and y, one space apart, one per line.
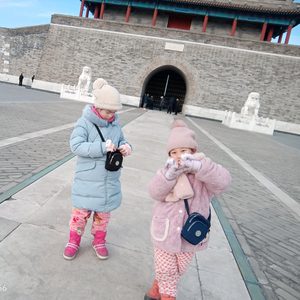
186 175
146 97
170 105
162 102
95 189
143 100
21 79
177 102
151 102
32 78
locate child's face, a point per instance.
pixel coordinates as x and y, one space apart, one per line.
106 114
177 152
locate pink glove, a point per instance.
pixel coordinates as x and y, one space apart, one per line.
125 149
173 169
110 147
189 163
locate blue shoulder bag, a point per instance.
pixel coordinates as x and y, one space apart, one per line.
196 228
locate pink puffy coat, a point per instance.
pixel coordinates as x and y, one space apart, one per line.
168 217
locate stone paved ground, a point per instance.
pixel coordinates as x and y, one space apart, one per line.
266 228
35 221
33 112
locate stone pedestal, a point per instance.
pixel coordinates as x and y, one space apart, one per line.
83 90
249 123
248 119
75 93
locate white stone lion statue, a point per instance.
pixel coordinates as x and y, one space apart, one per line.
85 80
252 105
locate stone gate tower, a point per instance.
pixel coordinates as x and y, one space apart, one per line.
210 54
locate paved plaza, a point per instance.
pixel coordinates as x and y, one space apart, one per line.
256 257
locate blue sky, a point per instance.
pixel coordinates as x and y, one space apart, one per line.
21 13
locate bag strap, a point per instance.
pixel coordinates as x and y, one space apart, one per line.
99 131
188 210
187 206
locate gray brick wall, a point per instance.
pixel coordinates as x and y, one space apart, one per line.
222 27
178 34
4 58
126 55
217 77
25 49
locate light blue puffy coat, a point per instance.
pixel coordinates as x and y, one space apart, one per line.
94 188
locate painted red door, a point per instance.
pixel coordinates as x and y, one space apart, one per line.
180 21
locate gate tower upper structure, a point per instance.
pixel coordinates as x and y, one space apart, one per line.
253 20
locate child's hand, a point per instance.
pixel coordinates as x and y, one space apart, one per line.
125 149
173 169
110 147
190 164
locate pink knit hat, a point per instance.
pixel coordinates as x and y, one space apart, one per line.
181 137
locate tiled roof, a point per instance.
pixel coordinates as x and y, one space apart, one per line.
244 6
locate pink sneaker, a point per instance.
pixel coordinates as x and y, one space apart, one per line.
99 245
72 246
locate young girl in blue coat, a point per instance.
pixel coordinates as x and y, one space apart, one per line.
94 188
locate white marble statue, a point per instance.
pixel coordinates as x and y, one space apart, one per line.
85 80
83 90
252 105
248 119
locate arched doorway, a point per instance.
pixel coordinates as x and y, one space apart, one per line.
165 82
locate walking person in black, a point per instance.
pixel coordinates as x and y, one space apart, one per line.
176 105
171 104
162 102
145 100
21 79
151 102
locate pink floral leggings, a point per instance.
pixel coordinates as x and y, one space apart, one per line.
168 268
79 219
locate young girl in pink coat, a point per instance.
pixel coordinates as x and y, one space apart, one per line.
186 175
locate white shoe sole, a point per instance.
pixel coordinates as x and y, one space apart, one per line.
68 257
101 257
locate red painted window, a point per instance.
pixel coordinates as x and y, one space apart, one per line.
180 22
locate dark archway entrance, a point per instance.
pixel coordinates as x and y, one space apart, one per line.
168 83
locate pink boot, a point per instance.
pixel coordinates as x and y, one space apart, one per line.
99 245
72 246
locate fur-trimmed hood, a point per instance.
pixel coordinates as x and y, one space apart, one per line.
92 117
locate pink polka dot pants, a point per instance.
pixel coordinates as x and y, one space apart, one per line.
80 217
168 268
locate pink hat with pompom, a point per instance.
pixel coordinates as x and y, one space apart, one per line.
181 137
106 96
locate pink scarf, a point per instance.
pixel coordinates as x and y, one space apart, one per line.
95 111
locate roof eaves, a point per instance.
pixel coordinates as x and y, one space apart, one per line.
227 5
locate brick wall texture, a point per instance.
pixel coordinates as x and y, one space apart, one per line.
219 71
24 47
